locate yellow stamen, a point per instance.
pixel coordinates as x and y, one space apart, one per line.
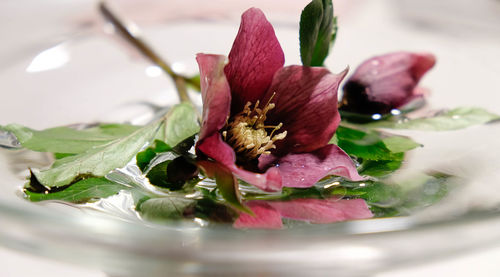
246 131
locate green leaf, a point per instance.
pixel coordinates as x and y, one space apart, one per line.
454 119
226 183
407 195
318 28
158 176
182 123
68 140
145 157
165 208
381 168
210 209
228 188
100 160
58 156
380 194
80 192
372 144
399 144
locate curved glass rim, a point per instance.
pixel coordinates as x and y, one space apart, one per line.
118 247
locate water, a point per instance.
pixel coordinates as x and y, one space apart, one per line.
8 140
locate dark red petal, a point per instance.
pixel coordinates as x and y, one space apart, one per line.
305 169
306 104
386 82
322 210
215 93
264 217
254 58
215 148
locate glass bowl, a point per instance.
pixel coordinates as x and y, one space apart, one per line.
72 70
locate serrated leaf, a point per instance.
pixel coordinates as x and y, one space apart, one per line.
454 119
68 140
80 192
182 123
98 161
317 32
165 208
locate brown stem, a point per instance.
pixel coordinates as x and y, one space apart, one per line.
146 50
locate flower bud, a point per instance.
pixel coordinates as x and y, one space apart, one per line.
386 82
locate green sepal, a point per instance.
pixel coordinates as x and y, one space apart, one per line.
317 33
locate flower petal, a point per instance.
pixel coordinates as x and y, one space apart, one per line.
215 148
305 169
386 82
215 93
254 58
306 104
322 210
265 216
271 180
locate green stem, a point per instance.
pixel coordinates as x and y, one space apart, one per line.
179 80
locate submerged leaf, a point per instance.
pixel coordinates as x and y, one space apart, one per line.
165 208
80 192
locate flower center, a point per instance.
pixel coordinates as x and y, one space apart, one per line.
246 132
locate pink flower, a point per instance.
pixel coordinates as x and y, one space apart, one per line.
386 82
268 214
267 124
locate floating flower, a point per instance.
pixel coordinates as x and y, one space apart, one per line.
269 214
267 124
386 82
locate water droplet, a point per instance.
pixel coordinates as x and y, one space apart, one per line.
376 116
395 112
375 62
